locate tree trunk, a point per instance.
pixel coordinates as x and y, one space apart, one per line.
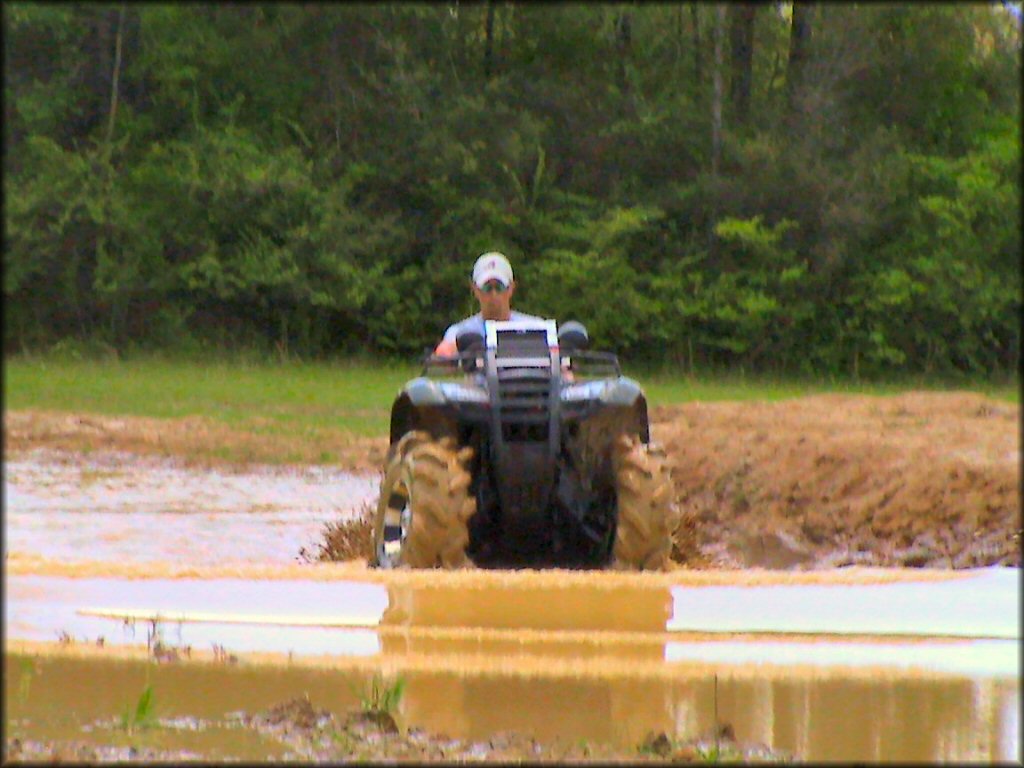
333 77
716 125
489 41
799 42
116 76
679 33
98 68
741 40
697 63
624 45
455 45
716 99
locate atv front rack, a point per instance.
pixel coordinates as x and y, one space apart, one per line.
583 364
452 365
592 365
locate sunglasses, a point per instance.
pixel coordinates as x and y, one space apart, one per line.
494 286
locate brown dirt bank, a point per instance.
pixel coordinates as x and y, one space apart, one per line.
918 479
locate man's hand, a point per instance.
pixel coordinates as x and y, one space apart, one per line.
446 349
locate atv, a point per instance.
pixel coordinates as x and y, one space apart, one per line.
523 449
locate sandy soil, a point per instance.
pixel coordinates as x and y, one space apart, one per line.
916 480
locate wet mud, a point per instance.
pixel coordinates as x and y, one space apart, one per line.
106 506
825 603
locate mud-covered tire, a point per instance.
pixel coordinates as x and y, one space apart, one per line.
431 479
646 514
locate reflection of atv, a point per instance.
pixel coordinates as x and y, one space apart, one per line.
523 449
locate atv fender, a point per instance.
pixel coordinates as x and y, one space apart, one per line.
622 391
621 395
625 392
428 405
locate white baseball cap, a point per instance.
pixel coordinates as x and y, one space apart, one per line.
492 266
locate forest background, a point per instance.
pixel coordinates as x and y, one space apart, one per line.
795 188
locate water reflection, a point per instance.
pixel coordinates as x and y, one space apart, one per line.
835 718
570 661
843 717
530 607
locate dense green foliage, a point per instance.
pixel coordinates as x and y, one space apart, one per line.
320 178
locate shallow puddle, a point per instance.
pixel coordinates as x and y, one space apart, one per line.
831 716
111 508
980 604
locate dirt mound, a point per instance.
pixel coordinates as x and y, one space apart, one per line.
920 479
294 714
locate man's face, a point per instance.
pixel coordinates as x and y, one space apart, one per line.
495 299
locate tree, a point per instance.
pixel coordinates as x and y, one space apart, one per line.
316 178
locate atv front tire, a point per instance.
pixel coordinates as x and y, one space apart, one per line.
647 517
424 508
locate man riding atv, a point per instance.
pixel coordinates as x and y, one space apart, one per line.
519 447
493 286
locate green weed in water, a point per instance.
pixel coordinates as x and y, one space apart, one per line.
718 754
28 671
383 695
143 716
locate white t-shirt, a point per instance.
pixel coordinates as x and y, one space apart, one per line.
476 323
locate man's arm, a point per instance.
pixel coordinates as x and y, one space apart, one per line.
446 348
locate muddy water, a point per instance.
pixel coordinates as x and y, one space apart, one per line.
817 716
897 666
980 604
107 507
602 664
340 620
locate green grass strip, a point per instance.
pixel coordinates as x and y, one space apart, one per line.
303 397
